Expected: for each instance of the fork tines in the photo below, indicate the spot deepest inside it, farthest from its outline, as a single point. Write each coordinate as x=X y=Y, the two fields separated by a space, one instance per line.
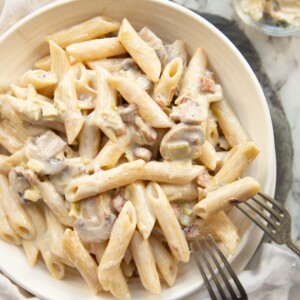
x=211 y=261
x=270 y=215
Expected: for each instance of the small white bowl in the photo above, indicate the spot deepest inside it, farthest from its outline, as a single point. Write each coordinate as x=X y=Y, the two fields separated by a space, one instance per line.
x=24 y=43
x=264 y=26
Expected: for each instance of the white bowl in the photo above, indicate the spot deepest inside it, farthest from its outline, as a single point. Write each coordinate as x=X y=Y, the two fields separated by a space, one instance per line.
x=24 y=43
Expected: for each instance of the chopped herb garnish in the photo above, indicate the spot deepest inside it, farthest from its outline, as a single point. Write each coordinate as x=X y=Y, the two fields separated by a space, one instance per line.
x=282 y=23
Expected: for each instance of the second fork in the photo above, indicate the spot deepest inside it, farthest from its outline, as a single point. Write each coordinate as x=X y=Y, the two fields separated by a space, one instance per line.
x=210 y=261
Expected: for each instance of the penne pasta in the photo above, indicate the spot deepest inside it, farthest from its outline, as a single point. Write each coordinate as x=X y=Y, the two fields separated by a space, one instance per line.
x=171 y=172
x=54 y=201
x=105 y=115
x=165 y=262
x=190 y=86
x=55 y=267
x=145 y=263
x=87 y=30
x=102 y=181
x=128 y=256
x=133 y=93
x=17 y=216
x=225 y=196
x=127 y=269
x=97 y=249
x=236 y=162
x=5 y=165
x=81 y=259
x=190 y=82
x=166 y=87
x=31 y=250
x=11 y=138
x=56 y=232
x=89 y=141
x=230 y=125
x=177 y=50
x=119 y=287
x=225 y=229
x=119 y=240
x=220 y=157
x=156 y=44
x=60 y=63
x=208 y=155
x=6 y=231
x=44 y=63
x=168 y=222
x=140 y=51
x=185 y=192
x=112 y=65
x=96 y=49
x=110 y=153
x=145 y=217
x=212 y=134
x=66 y=100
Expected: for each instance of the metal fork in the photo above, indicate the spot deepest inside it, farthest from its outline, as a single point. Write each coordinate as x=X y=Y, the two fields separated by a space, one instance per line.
x=272 y=217
x=208 y=256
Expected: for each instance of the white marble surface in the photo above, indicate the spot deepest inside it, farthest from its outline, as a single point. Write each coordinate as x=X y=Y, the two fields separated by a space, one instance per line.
x=281 y=61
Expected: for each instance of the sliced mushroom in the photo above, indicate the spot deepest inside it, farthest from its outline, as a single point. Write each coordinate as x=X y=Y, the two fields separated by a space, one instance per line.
x=190 y=112
x=96 y=221
x=50 y=166
x=143 y=133
x=177 y=49
x=73 y=167
x=129 y=64
x=128 y=113
x=38 y=78
x=138 y=76
x=182 y=142
x=112 y=121
x=20 y=180
x=45 y=146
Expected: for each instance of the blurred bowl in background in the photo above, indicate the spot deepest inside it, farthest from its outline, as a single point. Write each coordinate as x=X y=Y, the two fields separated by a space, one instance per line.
x=281 y=23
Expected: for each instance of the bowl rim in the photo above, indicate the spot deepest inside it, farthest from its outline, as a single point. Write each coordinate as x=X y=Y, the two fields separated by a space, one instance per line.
x=256 y=234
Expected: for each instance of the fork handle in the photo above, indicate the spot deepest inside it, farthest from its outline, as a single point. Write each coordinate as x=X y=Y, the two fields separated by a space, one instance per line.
x=292 y=245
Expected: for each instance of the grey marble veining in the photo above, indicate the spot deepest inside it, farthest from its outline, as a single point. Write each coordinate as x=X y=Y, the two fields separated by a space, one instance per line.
x=280 y=59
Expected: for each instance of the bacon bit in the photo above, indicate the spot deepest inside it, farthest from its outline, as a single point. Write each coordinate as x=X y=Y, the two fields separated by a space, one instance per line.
x=152 y=136
x=203 y=179
x=177 y=210
x=118 y=202
x=207 y=85
x=185 y=99
x=191 y=231
x=234 y=201
x=128 y=113
x=160 y=103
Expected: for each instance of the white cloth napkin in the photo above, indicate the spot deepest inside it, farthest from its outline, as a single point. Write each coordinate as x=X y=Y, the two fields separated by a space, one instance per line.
x=272 y=274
